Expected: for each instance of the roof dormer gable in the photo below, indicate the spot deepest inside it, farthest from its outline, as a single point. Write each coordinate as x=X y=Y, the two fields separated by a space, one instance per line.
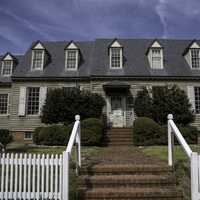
x=115 y=55
x=39 y=57
x=7 y=64
x=72 y=56
x=192 y=55
x=155 y=55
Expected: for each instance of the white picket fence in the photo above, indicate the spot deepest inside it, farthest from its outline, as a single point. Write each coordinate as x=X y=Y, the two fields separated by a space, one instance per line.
x=38 y=177
x=193 y=157
x=31 y=176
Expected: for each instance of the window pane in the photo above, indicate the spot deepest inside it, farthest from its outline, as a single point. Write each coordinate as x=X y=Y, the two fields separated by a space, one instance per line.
x=156 y=59
x=195 y=58
x=33 y=100
x=197 y=99
x=3 y=103
x=71 y=59
x=7 y=67
x=116 y=57
x=28 y=135
x=37 y=59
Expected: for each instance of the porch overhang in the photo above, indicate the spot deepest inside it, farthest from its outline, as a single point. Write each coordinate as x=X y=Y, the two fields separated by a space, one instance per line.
x=116 y=86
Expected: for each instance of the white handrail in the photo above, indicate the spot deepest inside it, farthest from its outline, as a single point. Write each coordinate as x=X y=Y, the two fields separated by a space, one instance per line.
x=75 y=138
x=194 y=158
x=173 y=129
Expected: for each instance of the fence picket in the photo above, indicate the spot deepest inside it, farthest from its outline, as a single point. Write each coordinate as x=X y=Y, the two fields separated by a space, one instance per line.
x=11 y=176
x=6 y=179
x=47 y=176
x=2 y=175
x=16 y=177
x=42 y=176
x=51 y=177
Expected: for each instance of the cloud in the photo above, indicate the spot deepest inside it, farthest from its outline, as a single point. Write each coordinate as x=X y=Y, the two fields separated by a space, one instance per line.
x=23 y=21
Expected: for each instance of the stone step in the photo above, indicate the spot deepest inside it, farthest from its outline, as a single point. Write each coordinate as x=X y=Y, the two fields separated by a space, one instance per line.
x=126 y=169
x=131 y=193
x=119 y=135
x=107 y=181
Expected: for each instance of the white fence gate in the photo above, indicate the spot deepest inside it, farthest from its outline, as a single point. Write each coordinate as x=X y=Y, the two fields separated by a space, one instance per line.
x=37 y=177
x=193 y=157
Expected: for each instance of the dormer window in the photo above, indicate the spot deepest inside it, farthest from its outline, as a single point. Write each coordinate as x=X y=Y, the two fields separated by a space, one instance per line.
x=38 y=60
x=195 y=58
x=192 y=55
x=38 y=54
x=155 y=56
x=116 y=55
x=71 y=57
x=7 y=65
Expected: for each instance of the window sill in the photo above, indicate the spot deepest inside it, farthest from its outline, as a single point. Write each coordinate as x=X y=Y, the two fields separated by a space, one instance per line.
x=4 y=115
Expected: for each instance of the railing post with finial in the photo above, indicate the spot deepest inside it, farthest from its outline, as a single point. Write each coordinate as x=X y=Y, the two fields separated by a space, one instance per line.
x=170 y=140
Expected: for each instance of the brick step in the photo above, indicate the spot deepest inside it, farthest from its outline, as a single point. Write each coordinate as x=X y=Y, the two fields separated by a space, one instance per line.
x=119 y=131
x=119 y=140
x=126 y=169
x=107 y=181
x=131 y=193
x=119 y=135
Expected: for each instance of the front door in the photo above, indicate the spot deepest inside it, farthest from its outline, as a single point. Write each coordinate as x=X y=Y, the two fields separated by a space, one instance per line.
x=116 y=111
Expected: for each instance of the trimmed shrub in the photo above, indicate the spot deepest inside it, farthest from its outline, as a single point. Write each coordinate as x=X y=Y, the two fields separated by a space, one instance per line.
x=63 y=104
x=5 y=137
x=91 y=132
x=52 y=135
x=190 y=134
x=147 y=132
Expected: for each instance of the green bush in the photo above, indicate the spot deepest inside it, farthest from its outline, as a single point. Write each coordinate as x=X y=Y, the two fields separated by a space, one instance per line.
x=91 y=132
x=5 y=137
x=147 y=132
x=190 y=134
x=63 y=104
x=52 y=135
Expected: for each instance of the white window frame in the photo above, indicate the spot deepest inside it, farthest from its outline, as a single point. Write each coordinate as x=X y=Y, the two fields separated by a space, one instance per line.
x=8 y=100
x=121 y=57
x=26 y=106
x=161 y=57
x=66 y=59
x=25 y=138
x=33 y=55
x=190 y=53
x=11 y=68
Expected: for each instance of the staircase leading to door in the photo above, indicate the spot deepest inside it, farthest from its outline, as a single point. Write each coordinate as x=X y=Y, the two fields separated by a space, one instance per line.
x=119 y=137
x=121 y=174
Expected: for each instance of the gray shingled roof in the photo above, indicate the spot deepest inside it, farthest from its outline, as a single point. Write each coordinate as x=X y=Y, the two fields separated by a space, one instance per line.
x=95 y=60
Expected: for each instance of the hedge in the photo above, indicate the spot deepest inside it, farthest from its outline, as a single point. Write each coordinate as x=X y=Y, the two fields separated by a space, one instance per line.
x=91 y=133
x=147 y=132
x=52 y=135
x=5 y=137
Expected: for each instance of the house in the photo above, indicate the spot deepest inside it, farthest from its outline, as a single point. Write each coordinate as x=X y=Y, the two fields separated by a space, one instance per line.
x=115 y=68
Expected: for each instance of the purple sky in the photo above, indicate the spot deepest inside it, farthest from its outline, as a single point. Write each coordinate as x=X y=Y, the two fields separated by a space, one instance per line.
x=23 y=21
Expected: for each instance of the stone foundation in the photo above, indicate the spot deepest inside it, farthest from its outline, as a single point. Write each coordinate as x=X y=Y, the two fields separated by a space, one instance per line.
x=18 y=136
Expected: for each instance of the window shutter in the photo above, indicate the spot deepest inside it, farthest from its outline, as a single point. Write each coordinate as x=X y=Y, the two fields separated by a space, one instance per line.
x=22 y=101
x=43 y=94
x=191 y=96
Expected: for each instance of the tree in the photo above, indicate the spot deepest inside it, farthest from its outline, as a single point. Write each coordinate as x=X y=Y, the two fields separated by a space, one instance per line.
x=143 y=104
x=166 y=100
x=63 y=104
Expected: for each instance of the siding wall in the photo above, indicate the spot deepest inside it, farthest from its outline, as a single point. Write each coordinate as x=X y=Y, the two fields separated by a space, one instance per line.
x=29 y=123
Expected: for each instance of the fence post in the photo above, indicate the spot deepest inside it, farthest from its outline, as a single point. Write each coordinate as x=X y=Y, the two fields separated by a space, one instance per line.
x=170 y=142
x=65 y=189
x=194 y=176
x=78 y=145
